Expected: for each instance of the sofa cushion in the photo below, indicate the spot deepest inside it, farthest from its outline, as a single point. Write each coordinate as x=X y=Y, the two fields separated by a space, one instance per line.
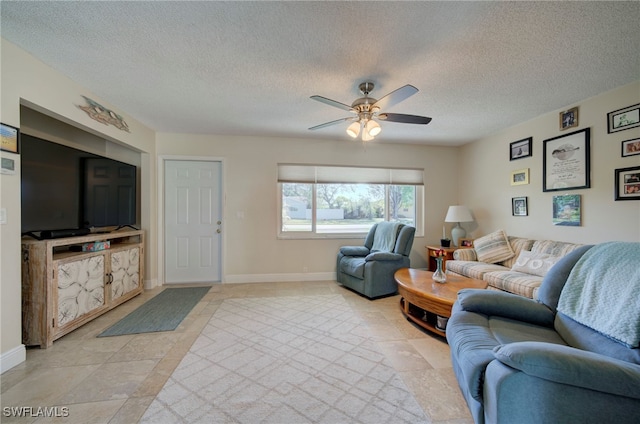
x=555 y=248
x=472 y=269
x=518 y=244
x=534 y=263
x=514 y=282
x=353 y=266
x=493 y=248
x=553 y=282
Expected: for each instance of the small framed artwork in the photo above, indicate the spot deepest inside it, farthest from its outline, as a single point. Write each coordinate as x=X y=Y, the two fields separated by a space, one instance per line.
x=567 y=210
x=631 y=147
x=566 y=161
x=623 y=119
x=520 y=177
x=10 y=138
x=627 y=183
x=569 y=118
x=520 y=149
x=465 y=242
x=519 y=206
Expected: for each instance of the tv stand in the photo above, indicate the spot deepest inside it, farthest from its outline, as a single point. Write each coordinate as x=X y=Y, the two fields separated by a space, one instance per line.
x=65 y=286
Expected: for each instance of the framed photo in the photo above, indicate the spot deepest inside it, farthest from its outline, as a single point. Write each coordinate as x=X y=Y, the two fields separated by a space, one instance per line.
x=631 y=147
x=520 y=149
x=465 y=242
x=569 y=118
x=520 y=177
x=10 y=138
x=628 y=183
x=623 y=119
x=565 y=161
x=567 y=210
x=519 y=206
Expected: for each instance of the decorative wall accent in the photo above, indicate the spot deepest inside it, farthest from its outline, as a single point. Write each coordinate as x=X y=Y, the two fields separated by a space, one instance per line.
x=103 y=115
x=569 y=118
x=623 y=119
x=9 y=138
x=567 y=210
x=565 y=161
x=520 y=149
x=628 y=183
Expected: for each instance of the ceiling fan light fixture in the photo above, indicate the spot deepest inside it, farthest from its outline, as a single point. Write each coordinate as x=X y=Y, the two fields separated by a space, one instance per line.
x=354 y=129
x=373 y=128
x=366 y=136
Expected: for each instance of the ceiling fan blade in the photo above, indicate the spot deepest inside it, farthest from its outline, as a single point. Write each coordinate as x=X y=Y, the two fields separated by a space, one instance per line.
x=404 y=119
x=328 y=124
x=332 y=103
x=395 y=97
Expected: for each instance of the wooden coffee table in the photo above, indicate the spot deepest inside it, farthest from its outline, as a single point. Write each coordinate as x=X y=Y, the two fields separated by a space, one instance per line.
x=423 y=300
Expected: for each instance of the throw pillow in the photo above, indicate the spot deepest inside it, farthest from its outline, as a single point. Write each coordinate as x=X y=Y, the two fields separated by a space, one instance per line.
x=535 y=263
x=493 y=248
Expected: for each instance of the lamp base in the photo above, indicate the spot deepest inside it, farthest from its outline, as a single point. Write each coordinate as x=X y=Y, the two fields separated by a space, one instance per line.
x=457 y=233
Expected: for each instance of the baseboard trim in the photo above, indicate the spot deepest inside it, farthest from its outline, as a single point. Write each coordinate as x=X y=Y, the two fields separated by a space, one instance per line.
x=150 y=284
x=271 y=278
x=13 y=357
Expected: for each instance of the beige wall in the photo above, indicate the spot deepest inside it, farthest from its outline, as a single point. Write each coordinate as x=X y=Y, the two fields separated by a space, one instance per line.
x=251 y=247
x=486 y=169
x=28 y=82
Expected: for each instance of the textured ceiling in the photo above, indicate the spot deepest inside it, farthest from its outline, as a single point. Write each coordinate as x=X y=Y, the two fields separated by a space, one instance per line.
x=248 y=68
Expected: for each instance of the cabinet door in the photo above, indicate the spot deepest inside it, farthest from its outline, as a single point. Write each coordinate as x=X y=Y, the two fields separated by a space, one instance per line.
x=125 y=272
x=81 y=285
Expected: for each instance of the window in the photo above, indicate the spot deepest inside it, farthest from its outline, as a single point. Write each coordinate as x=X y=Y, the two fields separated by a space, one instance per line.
x=335 y=201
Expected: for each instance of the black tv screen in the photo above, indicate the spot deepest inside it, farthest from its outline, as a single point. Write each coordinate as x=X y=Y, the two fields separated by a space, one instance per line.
x=65 y=188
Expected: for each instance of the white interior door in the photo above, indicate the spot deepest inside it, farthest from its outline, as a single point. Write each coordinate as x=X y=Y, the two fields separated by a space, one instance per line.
x=192 y=221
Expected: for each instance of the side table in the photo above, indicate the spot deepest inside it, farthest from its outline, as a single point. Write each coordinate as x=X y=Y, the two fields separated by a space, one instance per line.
x=431 y=253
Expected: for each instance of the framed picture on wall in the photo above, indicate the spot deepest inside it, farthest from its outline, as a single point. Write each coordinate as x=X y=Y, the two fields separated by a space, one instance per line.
x=623 y=119
x=631 y=147
x=520 y=177
x=567 y=210
x=10 y=138
x=519 y=206
x=520 y=149
x=627 y=183
x=569 y=118
x=566 y=161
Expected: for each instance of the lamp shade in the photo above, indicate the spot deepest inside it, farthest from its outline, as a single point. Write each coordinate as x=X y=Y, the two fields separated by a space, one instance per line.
x=354 y=129
x=458 y=214
x=373 y=128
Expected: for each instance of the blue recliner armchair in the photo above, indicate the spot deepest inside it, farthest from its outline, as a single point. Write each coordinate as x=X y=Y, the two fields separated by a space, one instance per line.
x=572 y=356
x=369 y=269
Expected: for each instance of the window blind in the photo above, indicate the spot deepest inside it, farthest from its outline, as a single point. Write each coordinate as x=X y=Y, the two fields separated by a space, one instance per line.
x=328 y=174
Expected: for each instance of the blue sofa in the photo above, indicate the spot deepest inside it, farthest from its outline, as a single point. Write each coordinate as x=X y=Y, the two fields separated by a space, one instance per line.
x=369 y=269
x=520 y=360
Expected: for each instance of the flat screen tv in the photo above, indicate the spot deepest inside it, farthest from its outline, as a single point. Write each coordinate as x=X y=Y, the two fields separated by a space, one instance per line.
x=63 y=188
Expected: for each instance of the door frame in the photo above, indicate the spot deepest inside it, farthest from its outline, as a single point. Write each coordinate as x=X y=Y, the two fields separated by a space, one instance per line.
x=160 y=208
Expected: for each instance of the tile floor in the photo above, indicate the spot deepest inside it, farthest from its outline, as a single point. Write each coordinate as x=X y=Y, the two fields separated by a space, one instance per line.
x=114 y=379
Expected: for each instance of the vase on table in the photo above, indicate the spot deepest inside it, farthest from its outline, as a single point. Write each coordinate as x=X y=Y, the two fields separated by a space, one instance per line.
x=438 y=275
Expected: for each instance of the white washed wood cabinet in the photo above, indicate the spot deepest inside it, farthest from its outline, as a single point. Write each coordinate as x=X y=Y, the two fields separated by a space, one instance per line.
x=63 y=288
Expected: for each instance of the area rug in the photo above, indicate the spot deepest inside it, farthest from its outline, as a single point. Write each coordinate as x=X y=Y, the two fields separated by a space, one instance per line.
x=164 y=312
x=285 y=360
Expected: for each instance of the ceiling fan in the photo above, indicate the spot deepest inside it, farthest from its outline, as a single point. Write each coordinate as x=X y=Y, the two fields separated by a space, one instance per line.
x=367 y=111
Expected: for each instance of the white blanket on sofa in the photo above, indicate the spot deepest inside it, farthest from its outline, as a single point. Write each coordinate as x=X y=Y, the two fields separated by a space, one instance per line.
x=603 y=291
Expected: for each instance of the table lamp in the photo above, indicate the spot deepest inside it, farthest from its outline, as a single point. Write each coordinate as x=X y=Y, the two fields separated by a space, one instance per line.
x=458 y=214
